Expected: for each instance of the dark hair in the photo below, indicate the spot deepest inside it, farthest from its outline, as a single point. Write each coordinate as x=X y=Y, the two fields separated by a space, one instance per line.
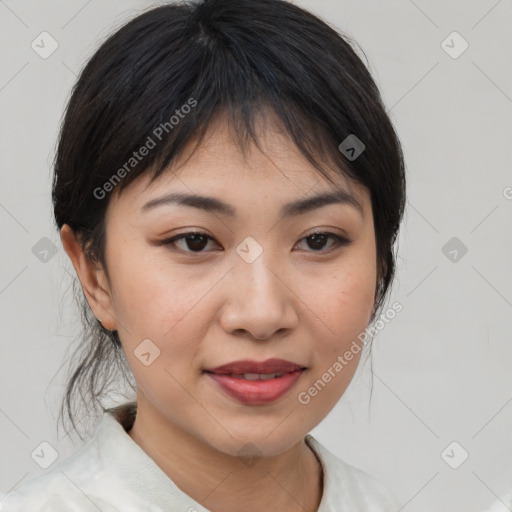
x=243 y=58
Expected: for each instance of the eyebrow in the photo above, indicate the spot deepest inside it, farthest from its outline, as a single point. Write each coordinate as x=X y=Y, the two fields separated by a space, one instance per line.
x=292 y=209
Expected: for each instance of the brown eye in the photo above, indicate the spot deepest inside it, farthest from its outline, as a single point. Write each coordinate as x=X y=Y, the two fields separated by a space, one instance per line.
x=318 y=241
x=194 y=241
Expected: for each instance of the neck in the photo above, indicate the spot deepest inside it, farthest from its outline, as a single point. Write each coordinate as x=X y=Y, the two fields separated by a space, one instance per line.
x=292 y=480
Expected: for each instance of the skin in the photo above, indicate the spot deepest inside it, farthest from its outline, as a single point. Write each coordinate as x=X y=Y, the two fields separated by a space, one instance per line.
x=297 y=301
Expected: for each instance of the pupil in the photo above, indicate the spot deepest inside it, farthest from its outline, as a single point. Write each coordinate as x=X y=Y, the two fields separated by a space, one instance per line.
x=315 y=239
x=196 y=242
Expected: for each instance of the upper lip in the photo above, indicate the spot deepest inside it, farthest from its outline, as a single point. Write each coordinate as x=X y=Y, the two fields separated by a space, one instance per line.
x=248 y=366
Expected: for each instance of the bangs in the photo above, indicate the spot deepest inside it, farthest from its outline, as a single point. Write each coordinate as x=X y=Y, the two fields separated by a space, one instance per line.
x=158 y=84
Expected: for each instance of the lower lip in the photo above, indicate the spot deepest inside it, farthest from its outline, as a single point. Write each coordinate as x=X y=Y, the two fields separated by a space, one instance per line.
x=257 y=392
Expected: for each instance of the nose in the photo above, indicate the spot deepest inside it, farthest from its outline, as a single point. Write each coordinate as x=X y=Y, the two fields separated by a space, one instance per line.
x=259 y=302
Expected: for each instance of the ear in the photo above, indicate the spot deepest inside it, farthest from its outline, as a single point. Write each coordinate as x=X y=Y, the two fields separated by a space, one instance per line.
x=93 y=278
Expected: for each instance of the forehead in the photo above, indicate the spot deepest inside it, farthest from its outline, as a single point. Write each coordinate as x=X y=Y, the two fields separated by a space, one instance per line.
x=273 y=168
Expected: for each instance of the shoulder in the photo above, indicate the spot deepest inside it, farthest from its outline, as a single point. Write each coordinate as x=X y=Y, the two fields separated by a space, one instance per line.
x=65 y=488
x=346 y=486
x=81 y=483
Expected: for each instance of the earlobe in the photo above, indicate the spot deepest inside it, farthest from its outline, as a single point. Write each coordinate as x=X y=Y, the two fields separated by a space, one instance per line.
x=92 y=277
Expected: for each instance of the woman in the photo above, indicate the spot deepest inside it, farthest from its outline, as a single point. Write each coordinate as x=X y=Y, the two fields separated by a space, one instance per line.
x=229 y=189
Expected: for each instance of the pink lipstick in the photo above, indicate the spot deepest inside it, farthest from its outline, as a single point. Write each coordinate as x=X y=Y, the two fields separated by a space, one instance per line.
x=257 y=383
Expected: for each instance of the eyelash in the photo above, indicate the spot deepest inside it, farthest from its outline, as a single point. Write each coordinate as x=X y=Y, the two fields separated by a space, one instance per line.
x=339 y=241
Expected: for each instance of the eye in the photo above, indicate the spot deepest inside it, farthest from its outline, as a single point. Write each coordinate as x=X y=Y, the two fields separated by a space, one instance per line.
x=194 y=241
x=317 y=241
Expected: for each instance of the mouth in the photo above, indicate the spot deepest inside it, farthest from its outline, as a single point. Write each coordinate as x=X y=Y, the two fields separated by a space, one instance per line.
x=248 y=367
x=251 y=376
x=256 y=383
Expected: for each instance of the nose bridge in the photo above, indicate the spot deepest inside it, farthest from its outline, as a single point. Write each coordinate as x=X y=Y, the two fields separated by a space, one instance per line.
x=257 y=277
x=257 y=301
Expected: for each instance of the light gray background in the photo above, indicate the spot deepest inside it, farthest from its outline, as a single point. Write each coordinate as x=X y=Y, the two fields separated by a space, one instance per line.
x=442 y=367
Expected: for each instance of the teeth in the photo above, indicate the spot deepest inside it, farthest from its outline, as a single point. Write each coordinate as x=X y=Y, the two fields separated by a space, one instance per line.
x=268 y=376
x=251 y=376
x=261 y=376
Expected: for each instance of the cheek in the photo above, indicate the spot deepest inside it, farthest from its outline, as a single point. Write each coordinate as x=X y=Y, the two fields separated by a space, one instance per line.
x=150 y=295
x=345 y=306
x=153 y=301
x=347 y=299
x=345 y=310
x=349 y=309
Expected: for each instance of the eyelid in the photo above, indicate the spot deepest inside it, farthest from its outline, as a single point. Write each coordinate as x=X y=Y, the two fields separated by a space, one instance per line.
x=185 y=234
x=326 y=231
x=340 y=241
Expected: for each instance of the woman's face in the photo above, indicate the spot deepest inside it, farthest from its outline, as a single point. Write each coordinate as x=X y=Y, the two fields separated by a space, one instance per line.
x=255 y=285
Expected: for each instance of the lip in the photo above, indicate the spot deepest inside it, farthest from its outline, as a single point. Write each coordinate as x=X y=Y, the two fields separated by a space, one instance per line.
x=248 y=366
x=256 y=392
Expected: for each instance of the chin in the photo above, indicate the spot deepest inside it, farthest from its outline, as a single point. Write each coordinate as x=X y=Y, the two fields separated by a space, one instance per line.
x=254 y=441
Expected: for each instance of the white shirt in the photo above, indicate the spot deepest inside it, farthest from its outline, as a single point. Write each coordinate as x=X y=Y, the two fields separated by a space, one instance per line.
x=111 y=473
